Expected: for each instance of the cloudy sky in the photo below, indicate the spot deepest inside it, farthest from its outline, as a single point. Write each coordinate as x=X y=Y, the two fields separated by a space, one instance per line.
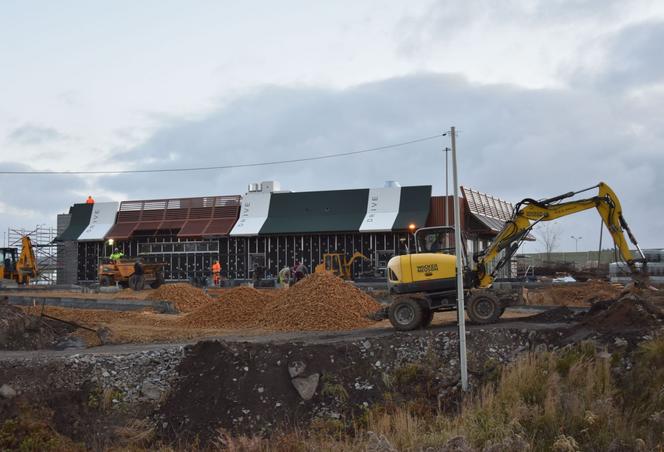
x=548 y=96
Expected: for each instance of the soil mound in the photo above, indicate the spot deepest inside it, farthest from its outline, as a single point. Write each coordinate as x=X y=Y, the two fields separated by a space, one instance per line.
x=321 y=301
x=575 y=294
x=235 y=308
x=22 y=331
x=561 y=314
x=186 y=297
x=630 y=312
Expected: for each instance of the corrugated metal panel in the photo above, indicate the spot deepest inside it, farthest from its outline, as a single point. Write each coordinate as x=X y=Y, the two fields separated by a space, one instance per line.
x=192 y=216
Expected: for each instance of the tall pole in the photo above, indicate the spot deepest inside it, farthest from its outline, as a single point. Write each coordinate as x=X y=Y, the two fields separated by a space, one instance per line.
x=461 y=314
x=447 y=201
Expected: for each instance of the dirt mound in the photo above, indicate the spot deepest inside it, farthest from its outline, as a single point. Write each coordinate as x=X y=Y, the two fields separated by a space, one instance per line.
x=22 y=331
x=321 y=301
x=236 y=308
x=575 y=294
x=630 y=312
x=561 y=314
x=186 y=297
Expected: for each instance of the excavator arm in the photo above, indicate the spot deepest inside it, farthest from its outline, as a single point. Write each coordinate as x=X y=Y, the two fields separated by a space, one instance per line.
x=26 y=266
x=529 y=212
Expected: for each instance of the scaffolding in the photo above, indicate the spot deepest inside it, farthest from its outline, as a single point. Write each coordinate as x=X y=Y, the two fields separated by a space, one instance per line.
x=45 y=249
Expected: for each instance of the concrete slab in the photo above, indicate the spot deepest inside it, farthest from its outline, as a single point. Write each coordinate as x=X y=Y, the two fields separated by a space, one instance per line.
x=162 y=307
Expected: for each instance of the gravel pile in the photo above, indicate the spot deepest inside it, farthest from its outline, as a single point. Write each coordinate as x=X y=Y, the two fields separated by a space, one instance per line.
x=235 y=308
x=185 y=297
x=320 y=302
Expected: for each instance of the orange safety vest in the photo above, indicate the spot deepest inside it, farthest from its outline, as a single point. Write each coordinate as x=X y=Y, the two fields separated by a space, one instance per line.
x=90 y=200
x=216 y=267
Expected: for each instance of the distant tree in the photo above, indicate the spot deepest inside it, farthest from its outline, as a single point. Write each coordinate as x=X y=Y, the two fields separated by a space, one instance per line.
x=549 y=234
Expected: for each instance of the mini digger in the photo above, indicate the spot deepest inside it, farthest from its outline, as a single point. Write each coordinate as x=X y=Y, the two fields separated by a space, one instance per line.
x=339 y=264
x=423 y=283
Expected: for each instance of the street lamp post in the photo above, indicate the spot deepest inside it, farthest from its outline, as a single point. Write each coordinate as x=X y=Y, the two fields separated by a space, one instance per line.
x=576 y=243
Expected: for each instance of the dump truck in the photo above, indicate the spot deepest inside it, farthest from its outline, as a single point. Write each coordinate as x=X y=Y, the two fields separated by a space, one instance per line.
x=133 y=273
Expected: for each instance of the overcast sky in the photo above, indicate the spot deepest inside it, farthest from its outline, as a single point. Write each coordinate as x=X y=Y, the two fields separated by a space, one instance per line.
x=548 y=96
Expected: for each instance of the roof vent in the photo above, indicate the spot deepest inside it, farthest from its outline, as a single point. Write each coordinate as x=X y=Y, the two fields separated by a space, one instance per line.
x=270 y=186
x=254 y=187
x=392 y=184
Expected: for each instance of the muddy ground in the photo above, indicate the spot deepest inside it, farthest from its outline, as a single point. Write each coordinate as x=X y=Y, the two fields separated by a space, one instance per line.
x=178 y=394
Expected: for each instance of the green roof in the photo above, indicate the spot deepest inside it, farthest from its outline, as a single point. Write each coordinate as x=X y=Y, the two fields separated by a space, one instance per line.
x=318 y=211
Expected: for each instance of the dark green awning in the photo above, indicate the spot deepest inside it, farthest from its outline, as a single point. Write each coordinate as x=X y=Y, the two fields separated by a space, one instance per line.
x=413 y=207
x=80 y=219
x=319 y=211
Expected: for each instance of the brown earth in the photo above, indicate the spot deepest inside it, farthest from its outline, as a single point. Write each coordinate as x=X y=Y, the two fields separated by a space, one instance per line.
x=20 y=330
x=321 y=301
x=235 y=308
x=632 y=311
x=575 y=294
x=186 y=297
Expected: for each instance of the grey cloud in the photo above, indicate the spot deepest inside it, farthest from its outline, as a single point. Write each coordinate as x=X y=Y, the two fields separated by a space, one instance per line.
x=444 y=19
x=634 y=56
x=30 y=134
x=513 y=142
x=31 y=200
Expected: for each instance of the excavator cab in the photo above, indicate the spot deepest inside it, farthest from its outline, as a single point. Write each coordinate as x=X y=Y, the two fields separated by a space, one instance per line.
x=8 y=257
x=435 y=240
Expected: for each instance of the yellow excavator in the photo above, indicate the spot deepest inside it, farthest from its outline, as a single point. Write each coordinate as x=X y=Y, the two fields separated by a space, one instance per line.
x=339 y=264
x=425 y=282
x=18 y=267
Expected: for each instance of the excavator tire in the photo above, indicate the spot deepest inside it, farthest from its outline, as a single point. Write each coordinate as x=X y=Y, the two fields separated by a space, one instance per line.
x=483 y=308
x=406 y=314
x=137 y=282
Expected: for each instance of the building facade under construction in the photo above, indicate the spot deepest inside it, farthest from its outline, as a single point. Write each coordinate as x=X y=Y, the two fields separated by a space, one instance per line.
x=267 y=228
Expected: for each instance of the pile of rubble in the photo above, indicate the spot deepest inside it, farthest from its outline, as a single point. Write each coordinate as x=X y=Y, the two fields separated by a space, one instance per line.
x=320 y=302
x=185 y=297
x=235 y=308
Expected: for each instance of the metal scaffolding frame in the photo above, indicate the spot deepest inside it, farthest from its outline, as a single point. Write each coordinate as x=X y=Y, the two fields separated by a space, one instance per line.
x=45 y=249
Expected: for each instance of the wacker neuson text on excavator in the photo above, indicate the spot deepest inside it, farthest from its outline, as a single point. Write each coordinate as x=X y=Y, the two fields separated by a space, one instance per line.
x=425 y=282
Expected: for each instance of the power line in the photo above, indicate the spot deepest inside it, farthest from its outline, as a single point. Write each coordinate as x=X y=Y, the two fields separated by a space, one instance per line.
x=239 y=165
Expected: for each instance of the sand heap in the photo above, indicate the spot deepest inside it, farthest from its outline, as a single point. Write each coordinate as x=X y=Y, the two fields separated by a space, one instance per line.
x=321 y=301
x=235 y=308
x=186 y=297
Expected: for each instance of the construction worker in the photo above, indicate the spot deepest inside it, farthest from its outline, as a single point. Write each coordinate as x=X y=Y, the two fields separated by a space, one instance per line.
x=301 y=271
x=89 y=200
x=216 y=273
x=117 y=255
x=285 y=276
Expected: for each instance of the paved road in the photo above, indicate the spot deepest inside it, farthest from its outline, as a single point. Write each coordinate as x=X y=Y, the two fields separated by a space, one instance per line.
x=307 y=337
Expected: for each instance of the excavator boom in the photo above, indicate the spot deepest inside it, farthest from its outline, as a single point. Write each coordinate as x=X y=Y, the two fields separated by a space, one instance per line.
x=529 y=212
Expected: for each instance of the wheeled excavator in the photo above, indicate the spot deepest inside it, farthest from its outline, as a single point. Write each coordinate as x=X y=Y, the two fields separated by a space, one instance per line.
x=18 y=267
x=425 y=282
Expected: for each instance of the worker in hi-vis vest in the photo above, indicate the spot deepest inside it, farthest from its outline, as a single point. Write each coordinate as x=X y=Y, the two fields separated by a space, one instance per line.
x=216 y=273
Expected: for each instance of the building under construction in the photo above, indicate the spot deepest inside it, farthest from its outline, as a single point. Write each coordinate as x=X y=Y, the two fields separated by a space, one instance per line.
x=266 y=228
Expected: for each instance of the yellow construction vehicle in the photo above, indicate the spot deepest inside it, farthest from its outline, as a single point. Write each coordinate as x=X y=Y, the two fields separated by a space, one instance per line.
x=339 y=264
x=423 y=283
x=18 y=267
